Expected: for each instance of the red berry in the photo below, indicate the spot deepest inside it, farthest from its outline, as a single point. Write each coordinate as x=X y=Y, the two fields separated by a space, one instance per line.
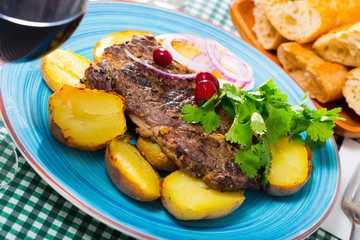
x=162 y=57
x=204 y=89
x=207 y=76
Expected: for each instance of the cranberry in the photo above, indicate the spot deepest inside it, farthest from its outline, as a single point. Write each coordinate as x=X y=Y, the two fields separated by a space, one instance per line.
x=207 y=76
x=204 y=90
x=162 y=57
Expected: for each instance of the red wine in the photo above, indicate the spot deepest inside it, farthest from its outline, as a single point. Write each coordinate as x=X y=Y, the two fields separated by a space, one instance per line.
x=31 y=28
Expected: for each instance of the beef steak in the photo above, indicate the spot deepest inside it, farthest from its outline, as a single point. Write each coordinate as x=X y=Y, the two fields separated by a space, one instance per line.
x=153 y=102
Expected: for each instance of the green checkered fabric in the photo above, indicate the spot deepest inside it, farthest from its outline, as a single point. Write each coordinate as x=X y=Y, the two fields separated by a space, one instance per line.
x=8 y=160
x=214 y=11
x=321 y=234
x=31 y=209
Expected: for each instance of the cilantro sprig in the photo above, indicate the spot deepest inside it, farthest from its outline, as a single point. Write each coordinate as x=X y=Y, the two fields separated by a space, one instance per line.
x=205 y=114
x=266 y=115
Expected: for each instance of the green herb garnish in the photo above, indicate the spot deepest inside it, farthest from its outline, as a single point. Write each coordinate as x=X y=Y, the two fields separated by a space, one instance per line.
x=205 y=114
x=265 y=114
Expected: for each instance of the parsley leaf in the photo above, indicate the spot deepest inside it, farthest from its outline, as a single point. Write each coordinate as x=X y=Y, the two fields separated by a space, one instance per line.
x=272 y=94
x=262 y=117
x=232 y=92
x=192 y=114
x=254 y=158
x=266 y=159
x=249 y=160
x=278 y=123
x=240 y=133
x=320 y=130
x=205 y=115
x=257 y=123
x=210 y=120
x=228 y=106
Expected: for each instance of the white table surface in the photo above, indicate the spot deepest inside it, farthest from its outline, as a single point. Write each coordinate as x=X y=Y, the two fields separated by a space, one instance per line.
x=337 y=222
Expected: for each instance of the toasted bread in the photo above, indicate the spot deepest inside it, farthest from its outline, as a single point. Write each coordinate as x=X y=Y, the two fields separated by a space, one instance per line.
x=266 y=34
x=341 y=45
x=305 y=20
x=351 y=89
x=320 y=78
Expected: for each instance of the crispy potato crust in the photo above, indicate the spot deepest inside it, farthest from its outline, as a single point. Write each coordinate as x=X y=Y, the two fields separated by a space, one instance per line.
x=291 y=168
x=63 y=67
x=86 y=119
x=130 y=172
x=153 y=154
x=189 y=198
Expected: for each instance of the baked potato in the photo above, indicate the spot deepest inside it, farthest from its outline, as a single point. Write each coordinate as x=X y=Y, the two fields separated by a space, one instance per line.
x=153 y=154
x=130 y=172
x=86 y=119
x=189 y=198
x=114 y=38
x=63 y=67
x=290 y=167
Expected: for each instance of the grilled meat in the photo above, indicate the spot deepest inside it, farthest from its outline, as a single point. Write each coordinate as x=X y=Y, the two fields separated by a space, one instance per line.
x=153 y=102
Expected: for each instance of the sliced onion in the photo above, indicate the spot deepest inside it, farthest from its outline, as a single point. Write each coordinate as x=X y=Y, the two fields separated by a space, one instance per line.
x=196 y=41
x=201 y=58
x=231 y=67
x=146 y=64
x=212 y=56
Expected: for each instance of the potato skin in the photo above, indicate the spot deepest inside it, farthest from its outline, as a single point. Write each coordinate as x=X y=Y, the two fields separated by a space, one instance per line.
x=122 y=174
x=286 y=190
x=155 y=156
x=189 y=198
x=87 y=138
x=63 y=67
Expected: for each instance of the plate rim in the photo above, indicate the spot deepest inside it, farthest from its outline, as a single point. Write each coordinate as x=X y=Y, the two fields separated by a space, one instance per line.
x=102 y=218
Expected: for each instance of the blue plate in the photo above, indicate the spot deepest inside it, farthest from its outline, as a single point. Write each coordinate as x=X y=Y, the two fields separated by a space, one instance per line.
x=81 y=176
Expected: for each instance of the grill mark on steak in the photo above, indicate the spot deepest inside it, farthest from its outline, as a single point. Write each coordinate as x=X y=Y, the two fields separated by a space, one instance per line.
x=153 y=103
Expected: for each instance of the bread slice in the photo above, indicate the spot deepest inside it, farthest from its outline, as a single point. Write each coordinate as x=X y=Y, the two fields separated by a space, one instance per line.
x=341 y=45
x=305 y=20
x=351 y=89
x=266 y=34
x=320 y=78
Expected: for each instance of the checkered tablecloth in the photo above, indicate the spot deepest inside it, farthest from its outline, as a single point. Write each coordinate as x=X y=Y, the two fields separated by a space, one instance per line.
x=31 y=209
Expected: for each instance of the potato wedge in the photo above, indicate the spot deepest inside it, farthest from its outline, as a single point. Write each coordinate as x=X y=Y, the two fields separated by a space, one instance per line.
x=189 y=198
x=86 y=119
x=63 y=67
x=290 y=168
x=130 y=172
x=114 y=38
x=153 y=154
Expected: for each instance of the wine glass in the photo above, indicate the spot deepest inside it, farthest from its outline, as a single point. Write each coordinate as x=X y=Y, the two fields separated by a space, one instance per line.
x=30 y=29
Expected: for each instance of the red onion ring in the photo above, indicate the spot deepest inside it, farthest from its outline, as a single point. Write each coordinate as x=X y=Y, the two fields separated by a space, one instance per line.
x=212 y=56
x=201 y=58
x=146 y=64
x=229 y=66
x=196 y=41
